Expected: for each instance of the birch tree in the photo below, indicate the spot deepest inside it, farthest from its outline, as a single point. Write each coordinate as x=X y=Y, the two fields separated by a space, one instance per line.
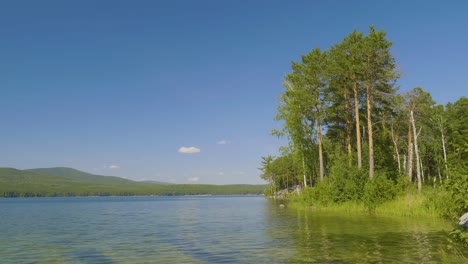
x=302 y=103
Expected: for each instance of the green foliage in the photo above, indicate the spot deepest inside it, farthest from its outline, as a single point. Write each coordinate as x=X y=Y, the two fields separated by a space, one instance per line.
x=269 y=191
x=281 y=172
x=454 y=201
x=378 y=190
x=457 y=242
x=457 y=131
x=404 y=185
x=458 y=237
x=353 y=186
x=321 y=194
x=348 y=182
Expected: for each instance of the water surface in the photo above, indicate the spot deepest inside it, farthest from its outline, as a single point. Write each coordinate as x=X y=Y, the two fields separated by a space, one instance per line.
x=211 y=229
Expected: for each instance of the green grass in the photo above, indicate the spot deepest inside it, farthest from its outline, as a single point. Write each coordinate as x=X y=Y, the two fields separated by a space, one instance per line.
x=409 y=204
x=348 y=207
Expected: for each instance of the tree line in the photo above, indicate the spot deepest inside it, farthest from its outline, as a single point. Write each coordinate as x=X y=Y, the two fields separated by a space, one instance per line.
x=156 y=190
x=346 y=124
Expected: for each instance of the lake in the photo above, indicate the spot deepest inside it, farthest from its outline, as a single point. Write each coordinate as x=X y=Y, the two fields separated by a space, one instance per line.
x=206 y=229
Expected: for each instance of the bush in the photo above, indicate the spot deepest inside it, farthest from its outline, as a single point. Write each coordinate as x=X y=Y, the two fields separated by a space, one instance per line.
x=268 y=192
x=454 y=201
x=321 y=194
x=348 y=182
x=378 y=190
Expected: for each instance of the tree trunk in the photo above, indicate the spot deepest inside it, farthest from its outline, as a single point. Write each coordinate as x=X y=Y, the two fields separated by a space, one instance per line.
x=395 y=145
x=410 y=152
x=404 y=163
x=358 y=129
x=304 y=171
x=440 y=176
x=349 y=122
x=319 y=139
x=445 y=153
x=319 y=135
x=423 y=177
x=418 y=168
x=369 y=132
x=349 y=149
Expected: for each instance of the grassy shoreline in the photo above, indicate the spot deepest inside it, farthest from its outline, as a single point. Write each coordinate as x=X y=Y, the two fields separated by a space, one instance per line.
x=406 y=205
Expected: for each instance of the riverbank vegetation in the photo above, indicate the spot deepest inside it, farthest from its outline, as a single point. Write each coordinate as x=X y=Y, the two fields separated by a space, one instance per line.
x=356 y=143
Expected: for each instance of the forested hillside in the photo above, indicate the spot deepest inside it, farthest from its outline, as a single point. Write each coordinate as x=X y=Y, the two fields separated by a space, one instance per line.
x=70 y=182
x=82 y=176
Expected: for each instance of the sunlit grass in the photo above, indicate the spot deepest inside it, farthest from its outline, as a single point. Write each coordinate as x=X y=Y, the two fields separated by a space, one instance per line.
x=348 y=207
x=409 y=204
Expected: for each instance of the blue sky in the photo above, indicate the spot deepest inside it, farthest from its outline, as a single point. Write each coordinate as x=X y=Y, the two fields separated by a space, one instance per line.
x=123 y=87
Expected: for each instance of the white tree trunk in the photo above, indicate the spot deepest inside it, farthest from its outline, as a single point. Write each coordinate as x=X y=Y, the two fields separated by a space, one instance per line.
x=396 y=150
x=404 y=163
x=303 y=169
x=422 y=170
x=418 y=165
x=319 y=137
x=445 y=153
x=409 y=162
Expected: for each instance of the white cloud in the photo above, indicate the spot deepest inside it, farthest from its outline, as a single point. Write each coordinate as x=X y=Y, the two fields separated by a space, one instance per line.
x=221 y=173
x=189 y=150
x=222 y=142
x=114 y=167
x=193 y=179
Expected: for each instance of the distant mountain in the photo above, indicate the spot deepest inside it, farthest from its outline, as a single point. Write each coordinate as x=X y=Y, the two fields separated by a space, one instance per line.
x=62 y=181
x=82 y=176
x=14 y=176
x=157 y=182
x=14 y=183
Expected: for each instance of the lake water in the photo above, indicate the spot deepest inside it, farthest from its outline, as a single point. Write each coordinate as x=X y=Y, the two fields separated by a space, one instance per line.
x=211 y=229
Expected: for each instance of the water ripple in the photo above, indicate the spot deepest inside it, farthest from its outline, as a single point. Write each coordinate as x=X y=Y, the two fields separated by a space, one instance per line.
x=204 y=230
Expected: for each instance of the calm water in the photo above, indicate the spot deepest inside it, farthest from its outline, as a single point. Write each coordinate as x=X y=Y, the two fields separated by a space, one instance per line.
x=209 y=229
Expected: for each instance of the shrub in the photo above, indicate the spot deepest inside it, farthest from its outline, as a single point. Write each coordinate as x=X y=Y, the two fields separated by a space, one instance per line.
x=454 y=202
x=347 y=182
x=324 y=192
x=377 y=191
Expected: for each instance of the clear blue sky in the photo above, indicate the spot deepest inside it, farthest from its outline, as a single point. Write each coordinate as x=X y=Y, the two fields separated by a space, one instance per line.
x=119 y=87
